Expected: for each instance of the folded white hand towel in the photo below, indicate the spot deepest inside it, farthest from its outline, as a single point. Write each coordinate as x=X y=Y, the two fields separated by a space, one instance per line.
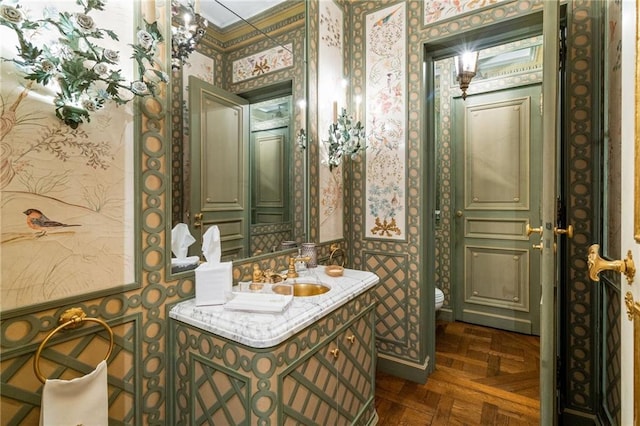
x=268 y=303
x=82 y=401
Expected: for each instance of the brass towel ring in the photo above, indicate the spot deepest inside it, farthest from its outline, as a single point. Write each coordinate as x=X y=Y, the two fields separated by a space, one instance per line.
x=70 y=319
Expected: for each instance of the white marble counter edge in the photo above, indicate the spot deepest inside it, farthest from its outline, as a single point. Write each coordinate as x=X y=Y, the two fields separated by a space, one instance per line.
x=193 y=315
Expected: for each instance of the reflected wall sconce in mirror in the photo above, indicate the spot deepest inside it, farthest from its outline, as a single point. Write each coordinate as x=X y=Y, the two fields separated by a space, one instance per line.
x=466 y=68
x=187 y=31
x=301 y=140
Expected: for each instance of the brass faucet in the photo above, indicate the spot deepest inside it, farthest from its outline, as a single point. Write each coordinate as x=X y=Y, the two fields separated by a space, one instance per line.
x=258 y=275
x=291 y=273
x=268 y=276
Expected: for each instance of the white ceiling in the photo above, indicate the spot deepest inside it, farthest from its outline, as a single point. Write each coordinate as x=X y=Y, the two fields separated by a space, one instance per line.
x=216 y=14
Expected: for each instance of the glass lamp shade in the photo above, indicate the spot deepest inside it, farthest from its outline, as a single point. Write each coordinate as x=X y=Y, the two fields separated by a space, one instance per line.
x=466 y=67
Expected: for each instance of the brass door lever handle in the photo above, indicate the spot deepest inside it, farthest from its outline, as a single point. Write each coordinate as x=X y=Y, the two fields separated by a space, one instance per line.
x=598 y=264
x=197 y=220
x=529 y=230
x=568 y=232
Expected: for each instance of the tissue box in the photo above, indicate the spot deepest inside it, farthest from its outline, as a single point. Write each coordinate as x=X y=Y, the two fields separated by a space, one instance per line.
x=213 y=282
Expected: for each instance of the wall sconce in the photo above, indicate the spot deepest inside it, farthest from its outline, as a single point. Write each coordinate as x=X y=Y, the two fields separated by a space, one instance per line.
x=347 y=139
x=185 y=35
x=466 y=67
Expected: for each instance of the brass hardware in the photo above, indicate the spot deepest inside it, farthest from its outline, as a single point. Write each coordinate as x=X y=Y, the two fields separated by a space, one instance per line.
x=335 y=248
x=291 y=273
x=459 y=213
x=531 y=230
x=633 y=307
x=568 y=232
x=538 y=246
x=197 y=220
x=257 y=276
x=70 y=319
x=597 y=264
x=335 y=352
x=334 y=270
x=301 y=289
x=272 y=277
x=352 y=339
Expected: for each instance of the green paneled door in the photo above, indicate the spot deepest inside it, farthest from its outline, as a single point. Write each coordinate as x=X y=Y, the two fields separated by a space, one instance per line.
x=219 y=155
x=497 y=156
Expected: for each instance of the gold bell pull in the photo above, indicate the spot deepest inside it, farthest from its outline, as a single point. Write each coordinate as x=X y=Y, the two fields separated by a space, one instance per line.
x=568 y=232
x=598 y=264
x=531 y=230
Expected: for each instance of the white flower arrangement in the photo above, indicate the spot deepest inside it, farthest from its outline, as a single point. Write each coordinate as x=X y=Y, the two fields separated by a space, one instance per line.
x=87 y=74
x=346 y=140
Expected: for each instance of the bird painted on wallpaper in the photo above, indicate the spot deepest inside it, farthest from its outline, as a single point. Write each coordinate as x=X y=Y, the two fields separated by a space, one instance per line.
x=36 y=220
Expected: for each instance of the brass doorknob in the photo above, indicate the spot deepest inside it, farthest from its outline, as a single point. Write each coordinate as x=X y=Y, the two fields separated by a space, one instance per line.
x=568 y=232
x=538 y=246
x=598 y=264
x=459 y=213
x=531 y=230
x=335 y=352
x=352 y=339
x=197 y=220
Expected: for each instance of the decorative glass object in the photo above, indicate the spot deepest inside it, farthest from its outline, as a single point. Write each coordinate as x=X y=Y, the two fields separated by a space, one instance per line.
x=309 y=250
x=185 y=35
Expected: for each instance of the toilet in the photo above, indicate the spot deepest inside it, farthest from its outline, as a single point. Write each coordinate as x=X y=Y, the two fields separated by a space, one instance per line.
x=439 y=298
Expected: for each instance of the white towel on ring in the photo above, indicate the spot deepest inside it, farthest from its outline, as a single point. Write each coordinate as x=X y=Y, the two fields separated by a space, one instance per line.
x=81 y=401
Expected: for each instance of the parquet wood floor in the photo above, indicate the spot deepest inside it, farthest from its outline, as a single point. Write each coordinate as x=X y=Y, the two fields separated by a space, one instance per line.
x=483 y=376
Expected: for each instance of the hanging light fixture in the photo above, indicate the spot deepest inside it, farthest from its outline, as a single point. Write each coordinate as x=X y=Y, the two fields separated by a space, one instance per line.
x=466 y=67
x=187 y=30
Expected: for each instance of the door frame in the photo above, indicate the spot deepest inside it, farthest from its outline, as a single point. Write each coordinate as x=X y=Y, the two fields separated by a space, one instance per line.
x=493 y=35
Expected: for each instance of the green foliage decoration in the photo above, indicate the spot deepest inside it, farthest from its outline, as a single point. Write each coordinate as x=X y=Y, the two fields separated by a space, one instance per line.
x=87 y=75
x=346 y=140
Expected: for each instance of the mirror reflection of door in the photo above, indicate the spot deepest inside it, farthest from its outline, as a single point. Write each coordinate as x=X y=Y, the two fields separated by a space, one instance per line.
x=219 y=142
x=270 y=157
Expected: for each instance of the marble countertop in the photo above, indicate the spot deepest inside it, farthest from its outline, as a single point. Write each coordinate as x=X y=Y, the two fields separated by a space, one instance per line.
x=262 y=330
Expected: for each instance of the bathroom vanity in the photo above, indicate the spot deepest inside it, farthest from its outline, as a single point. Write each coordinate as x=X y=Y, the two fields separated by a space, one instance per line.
x=313 y=363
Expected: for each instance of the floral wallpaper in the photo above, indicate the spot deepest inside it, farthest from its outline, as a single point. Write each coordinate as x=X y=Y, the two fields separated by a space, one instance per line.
x=386 y=123
x=331 y=99
x=264 y=62
x=67 y=197
x=439 y=10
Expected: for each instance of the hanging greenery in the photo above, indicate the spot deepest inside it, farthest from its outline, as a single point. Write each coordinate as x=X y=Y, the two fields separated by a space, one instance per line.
x=85 y=74
x=346 y=140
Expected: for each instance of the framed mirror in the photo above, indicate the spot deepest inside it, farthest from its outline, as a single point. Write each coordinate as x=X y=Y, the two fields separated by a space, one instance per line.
x=245 y=89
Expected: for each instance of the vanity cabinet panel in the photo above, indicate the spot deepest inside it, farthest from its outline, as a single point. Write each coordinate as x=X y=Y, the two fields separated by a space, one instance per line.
x=356 y=368
x=297 y=382
x=334 y=383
